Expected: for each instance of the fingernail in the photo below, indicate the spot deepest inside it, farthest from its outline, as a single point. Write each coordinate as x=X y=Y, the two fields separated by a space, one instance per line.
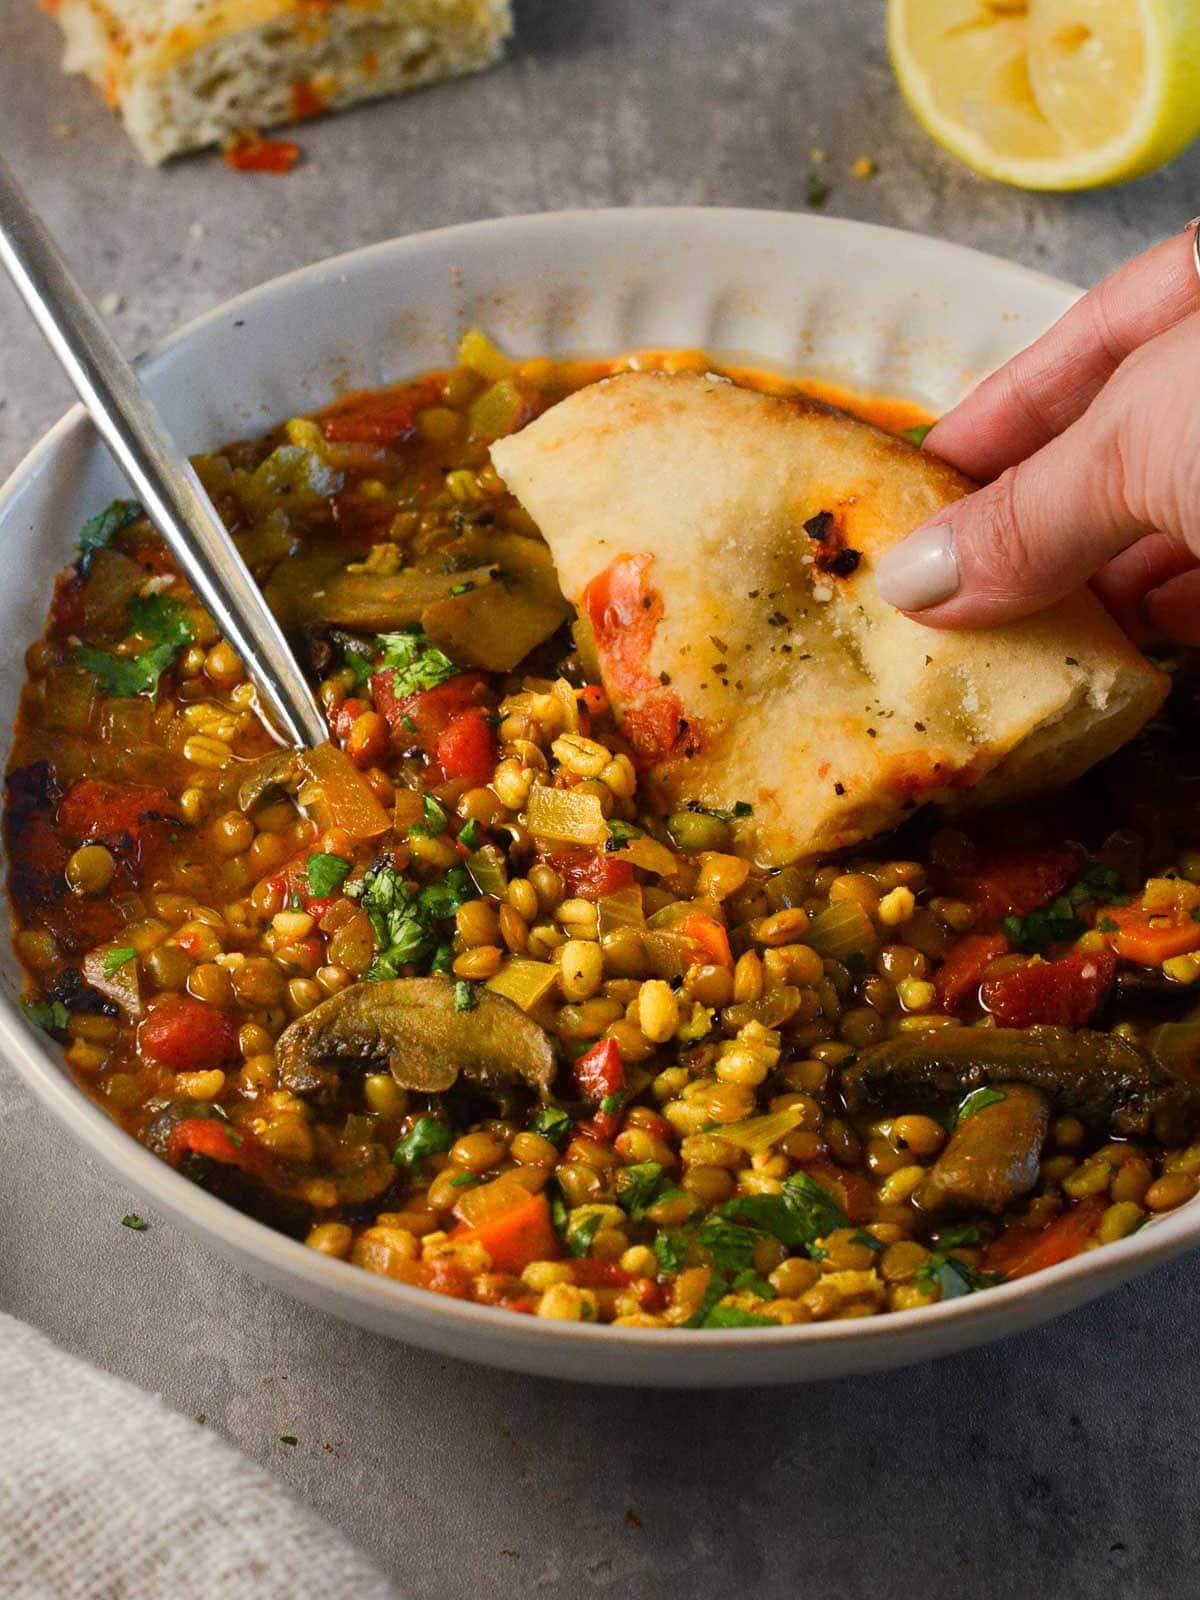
x=921 y=570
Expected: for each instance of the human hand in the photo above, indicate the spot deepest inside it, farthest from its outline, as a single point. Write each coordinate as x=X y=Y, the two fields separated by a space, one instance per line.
x=1089 y=446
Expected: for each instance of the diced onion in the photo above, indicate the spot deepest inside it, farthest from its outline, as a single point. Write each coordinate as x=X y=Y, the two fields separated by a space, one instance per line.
x=760 y=1133
x=524 y=982
x=841 y=930
x=566 y=816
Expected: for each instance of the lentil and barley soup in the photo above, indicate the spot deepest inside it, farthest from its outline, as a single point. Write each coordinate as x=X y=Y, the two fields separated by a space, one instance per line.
x=446 y=999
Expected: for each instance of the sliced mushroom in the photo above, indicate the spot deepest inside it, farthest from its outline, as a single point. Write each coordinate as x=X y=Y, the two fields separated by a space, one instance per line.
x=280 y=771
x=413 y=1027
x=1098 y=1076
x=495 y=625
x=993 y=1156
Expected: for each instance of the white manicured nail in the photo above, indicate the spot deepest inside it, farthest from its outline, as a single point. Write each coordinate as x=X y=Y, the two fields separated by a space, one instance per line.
x=921 y=570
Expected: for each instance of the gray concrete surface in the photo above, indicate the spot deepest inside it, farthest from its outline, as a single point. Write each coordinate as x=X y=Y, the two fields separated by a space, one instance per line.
x=1060 y=1464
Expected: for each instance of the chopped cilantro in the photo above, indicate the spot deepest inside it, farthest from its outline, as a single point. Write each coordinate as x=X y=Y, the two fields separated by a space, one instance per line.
x=161 y=620
x=733 y=1317
x=288 y=1438
x=953 y=1277
x=326 y=873
x=818 y=190
x=462 y=588
x=978 y=1100
x=919 y=434
x=558 y=1211
x=715 y=1291
x=751 y=1282
x=360 y=665
x=98 y=532
x=465 y=998
x=621 y=832
x=552 y=1123
x=404 y=921
x=960 y=1234
x=426 y=1137
x=114 y=960
x=671 y=1246
x=463 y=1179
x=798 y=1216
x=407 y=723
x=133 y=1221
x=469 y=834
x=1107 y=925
x=437 y=818
x=611 y=1103
x=580 y=1234
x=1059 y=921
x=743 y=808
x=862 y=1237
x=415 y=663
x=638 y=1187
x=49 y=1015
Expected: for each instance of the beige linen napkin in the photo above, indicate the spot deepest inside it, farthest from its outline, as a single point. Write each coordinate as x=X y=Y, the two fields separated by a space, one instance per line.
x=105 y=1494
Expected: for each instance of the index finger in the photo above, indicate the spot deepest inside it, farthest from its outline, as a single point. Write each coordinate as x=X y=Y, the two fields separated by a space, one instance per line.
x=1042 y=391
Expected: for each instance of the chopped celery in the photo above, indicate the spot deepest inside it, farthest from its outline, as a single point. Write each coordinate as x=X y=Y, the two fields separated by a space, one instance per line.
x=477 y=352
x=497 y=410
x=650 y=856
x=760 y=1133
x=623 y=909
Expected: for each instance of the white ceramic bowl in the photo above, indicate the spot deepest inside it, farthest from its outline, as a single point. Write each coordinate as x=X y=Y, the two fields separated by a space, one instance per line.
x=868 y=306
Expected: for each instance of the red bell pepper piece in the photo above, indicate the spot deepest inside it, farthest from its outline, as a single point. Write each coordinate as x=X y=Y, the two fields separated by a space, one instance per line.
x=710 y=938
x=1016 y=882
x=600 y=1071
x=963 y=968
x=1065 y=992
x=521 y=1233
x=207 y=1136
x=418 y=719
x=589 y=876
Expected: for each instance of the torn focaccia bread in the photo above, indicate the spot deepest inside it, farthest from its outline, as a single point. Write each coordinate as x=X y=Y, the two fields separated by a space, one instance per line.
x=721 y=543
x=185 y=73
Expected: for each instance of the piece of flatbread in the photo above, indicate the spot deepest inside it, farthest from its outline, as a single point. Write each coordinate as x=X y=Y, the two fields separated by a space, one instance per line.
x=185 y=73
x=720 y=544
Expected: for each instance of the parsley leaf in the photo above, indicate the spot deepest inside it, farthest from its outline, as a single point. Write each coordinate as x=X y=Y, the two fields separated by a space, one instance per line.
x=638 y=1187
x=553 y=1123
x=729 y=1245
x=919 y=434
x=962 y=1233
x=611 y=1103
x=159 y=619
x=49 y=1015
x=671 y=1246
x=733 y=1317
x=580 y=1234
x=715 y=1291
x=415 y=663
x=326 y=873
x=469 y=834
x=818 y=190
x=465 y=998
x=133 y=1221
x=1060 y=921
x=621 y=832
x=114 y=960
x=436 y=817
x=978 y=1100
x=798 y=1216
x=953 y=1277
x=360 y=665
x=426 y=1137
x=98 y=532
x=751 y=1282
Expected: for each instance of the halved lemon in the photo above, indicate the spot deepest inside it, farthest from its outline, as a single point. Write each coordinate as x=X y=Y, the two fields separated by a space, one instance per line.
x=1052 y=94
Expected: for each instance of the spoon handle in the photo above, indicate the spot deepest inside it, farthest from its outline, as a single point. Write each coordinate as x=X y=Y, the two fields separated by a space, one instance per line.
x=163 y=480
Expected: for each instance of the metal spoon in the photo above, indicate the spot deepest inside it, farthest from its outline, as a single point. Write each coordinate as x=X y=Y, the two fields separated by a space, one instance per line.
x=169 y=490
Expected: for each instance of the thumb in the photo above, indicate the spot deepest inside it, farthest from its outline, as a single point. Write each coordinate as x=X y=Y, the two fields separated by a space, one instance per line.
x=1034 y=535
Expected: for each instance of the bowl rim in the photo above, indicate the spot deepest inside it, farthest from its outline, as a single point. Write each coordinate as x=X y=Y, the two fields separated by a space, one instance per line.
x=283 y=1258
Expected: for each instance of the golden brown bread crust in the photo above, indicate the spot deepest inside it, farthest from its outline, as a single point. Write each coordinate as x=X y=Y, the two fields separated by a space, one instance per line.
x=722 y=542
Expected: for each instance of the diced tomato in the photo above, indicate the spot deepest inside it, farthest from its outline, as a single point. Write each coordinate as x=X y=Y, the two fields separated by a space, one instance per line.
x=624 y=611
x=1065 y=992
x=66 y=609
x=850 y=1189
x=1020 y=1251
x=384 y=417
x=418 y=719
x=1015 y=882
x=517 y=1235
x=444 y=1275
x=342 y=718
x=466 y=748
x=249 y=152
x=593 y=699
x=658 y=730
x=1150 y=937
x=591 y=1274
x=602 y=1126
x=600 y=1071
x=207 y=1136
x=187 y=1034
x=589 y=876
x=94 y=809
x=963 y=968
x=709 y=937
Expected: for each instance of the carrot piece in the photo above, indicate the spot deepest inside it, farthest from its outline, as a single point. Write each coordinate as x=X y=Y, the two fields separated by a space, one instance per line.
x=517 y=1235
x=965 y=963
x=1018 y=1252
x=711 y=937
x=1149 y=938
